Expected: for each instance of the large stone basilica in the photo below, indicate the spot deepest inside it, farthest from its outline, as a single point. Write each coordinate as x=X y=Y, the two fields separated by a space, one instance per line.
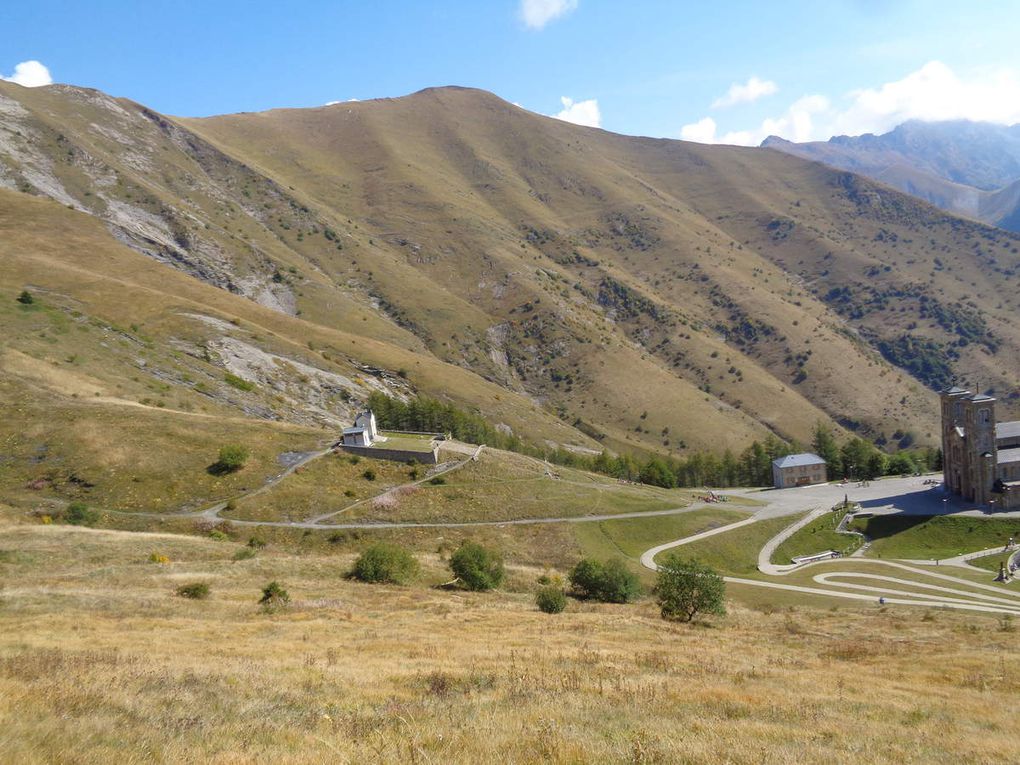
x=980 y=457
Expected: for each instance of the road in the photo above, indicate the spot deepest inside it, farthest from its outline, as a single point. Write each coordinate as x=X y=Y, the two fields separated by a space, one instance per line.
x=909 y=496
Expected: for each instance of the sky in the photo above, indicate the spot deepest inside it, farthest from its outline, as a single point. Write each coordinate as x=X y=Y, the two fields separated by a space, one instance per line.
x=730 y=71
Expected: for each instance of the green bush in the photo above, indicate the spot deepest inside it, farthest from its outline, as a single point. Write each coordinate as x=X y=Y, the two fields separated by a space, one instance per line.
x=274 y=595
x=369 y=475
x=384 y=562
x=218 y=535
x=232 y=457
x=256 y=543
x=686 y=588
x=25 y=298
x=437 y=481
x=238 y=382
x=245 y=553
x=609 y=582
x=194 y=591
x=79 y=514
x=551 y=599
x=477 y=567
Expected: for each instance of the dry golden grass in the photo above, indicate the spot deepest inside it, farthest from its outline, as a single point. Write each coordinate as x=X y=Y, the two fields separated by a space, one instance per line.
x=504 y=486
x=100 y=662
x=327 y=485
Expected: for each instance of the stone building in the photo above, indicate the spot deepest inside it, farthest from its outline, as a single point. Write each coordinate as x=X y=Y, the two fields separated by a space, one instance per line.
x=980 y=456
x=798 y=470
x=364 y=432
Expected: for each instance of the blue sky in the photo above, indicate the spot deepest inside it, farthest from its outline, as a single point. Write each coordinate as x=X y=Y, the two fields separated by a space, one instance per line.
x=640 y=67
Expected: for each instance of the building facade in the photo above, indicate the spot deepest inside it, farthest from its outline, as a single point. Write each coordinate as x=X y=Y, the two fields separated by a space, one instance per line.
x=364 y=432
x=798 y=470
x=980 y=456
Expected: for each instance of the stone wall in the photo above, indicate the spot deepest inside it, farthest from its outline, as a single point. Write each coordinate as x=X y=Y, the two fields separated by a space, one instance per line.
x=396 y=455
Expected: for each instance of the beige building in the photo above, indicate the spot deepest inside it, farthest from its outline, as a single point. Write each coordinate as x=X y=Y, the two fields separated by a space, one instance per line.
x=798 y=470
x=980 y=456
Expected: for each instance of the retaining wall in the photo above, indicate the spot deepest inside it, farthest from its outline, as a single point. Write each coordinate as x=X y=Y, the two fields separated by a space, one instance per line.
x=397 y=455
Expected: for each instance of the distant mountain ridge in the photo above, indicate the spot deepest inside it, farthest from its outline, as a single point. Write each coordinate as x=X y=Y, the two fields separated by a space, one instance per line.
x=969 y=168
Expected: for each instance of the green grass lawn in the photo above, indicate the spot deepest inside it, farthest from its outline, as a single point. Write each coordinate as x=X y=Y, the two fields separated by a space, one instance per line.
x=409 y=443
x=632 y=536
x=818 y=536
x=991 y=562
x=734 y=553
x=934 y=537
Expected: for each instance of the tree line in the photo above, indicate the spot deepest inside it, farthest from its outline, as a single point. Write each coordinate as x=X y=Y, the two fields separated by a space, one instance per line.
x=856 y=459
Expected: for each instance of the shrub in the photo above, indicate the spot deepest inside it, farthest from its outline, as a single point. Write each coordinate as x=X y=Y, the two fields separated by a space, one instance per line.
x=256 y=543
x=158 y=558
x=274 y=595
x=686 y=588
x=231 y=458
x=477 y=567
x=369 y=475
x=245 y=553
x=79 y=514
x=384 y=562
x=437 y=481
x=25 y=298
x=194 y=591
x=238 y=382
x=218 y=535
x=551 y=599
x=610 y=582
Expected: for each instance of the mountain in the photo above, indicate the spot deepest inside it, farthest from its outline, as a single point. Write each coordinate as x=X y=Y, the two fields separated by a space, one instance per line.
x=575 y=286
x=964 y=167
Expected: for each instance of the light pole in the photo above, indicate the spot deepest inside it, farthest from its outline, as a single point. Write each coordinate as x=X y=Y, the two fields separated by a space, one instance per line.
x=986 y=483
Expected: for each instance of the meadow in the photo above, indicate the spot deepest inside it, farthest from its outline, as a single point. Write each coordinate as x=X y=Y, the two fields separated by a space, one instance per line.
x=101 y=661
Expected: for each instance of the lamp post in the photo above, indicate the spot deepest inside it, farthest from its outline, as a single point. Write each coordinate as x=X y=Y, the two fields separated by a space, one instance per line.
x=986 y=482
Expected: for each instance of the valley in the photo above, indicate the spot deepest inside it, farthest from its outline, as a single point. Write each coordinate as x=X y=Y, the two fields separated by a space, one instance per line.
x=194 y=311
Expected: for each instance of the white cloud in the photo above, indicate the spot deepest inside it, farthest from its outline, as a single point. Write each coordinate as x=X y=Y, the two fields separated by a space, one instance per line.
x=580 y=112
x=750 y=91
x=702 y=131
x=538 y=13
x=31 y=74
x=933 y=92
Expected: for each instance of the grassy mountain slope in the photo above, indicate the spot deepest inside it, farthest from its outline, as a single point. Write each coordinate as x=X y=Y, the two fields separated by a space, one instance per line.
x=128 y=375
x=655 y=294
x=685 y=250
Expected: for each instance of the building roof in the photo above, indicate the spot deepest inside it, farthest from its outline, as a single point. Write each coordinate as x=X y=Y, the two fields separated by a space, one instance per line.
x=956 y=391
x=798 y=460
x=1007 y=456
x=352 y=431
x=1008 y=429
x=979 y=397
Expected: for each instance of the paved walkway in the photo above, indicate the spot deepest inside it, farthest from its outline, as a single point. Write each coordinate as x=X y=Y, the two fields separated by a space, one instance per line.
x=950 y=592
x=904 y=495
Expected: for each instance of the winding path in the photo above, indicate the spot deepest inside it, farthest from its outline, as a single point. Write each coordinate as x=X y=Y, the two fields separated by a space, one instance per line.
x=833 y=582
x=955 y=592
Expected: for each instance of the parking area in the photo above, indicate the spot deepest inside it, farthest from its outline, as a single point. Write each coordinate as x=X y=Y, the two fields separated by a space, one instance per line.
x=910 y=496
